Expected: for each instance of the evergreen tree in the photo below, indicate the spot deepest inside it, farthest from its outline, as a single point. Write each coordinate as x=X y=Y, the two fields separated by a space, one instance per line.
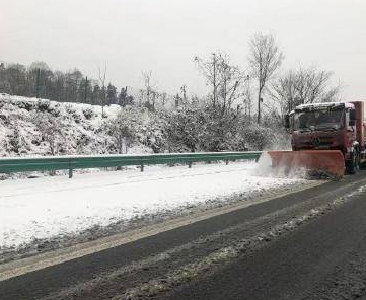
x=125 y=99
x=95 y=95
x=39 y=79
x=111 y=94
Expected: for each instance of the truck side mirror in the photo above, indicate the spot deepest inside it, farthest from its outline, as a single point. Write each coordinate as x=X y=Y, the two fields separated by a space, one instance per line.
x=287 y=121
x=352 y=117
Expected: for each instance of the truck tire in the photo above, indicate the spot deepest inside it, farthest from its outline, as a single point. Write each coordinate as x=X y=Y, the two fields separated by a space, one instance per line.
x=353 y=164
x=363 y=165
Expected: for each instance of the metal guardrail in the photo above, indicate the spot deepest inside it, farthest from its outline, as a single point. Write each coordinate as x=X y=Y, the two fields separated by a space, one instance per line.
x=14 y=165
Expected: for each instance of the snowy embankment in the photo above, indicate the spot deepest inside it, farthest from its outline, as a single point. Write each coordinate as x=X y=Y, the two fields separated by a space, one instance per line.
x=45 y=207
x=26 y=125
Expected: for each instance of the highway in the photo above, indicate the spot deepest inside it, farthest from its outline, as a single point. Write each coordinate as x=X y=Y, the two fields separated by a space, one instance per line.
x=309 y=244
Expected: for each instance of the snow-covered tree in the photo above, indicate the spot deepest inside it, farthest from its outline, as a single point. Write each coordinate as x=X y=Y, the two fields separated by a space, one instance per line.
x=15 y=141
x=185 y=127
x=50 y=129
x=123 y=129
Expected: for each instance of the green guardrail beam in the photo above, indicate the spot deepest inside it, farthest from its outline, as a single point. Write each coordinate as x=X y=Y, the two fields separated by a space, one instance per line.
x=15 y=165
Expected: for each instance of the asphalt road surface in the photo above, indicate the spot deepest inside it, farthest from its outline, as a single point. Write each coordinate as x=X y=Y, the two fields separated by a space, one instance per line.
x=306 y=245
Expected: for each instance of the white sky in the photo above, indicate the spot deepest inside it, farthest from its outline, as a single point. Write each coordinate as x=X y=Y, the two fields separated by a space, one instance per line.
x=131 y=36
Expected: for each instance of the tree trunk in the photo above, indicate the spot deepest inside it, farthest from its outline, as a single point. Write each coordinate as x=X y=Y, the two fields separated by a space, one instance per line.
x=259 y=106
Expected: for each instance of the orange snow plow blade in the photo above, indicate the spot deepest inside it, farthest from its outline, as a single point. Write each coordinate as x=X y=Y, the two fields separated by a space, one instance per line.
x=329 y=162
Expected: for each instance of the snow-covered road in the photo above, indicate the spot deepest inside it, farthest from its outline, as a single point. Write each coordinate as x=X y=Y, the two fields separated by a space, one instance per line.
x=49 y=206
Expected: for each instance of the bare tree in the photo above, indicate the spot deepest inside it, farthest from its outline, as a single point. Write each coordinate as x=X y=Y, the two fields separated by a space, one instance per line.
x=231 y=78
x=265 y=59
x=303 y=86
x=313 y=86
x=102 y=83
x=283 y=91
x=247 y=99
x=224 y=78
x=150 y=92
x=183 y=90
x=209 y=70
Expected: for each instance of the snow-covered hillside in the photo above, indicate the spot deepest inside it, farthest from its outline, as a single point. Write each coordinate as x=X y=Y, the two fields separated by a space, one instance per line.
x=79 y=127
x=30 y=126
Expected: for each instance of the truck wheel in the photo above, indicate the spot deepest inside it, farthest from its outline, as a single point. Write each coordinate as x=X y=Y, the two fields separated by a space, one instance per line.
x=353 y=164
x=362 y=165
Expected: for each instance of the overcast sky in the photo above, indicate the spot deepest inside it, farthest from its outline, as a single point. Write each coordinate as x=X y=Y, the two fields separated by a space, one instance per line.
x=131 y=36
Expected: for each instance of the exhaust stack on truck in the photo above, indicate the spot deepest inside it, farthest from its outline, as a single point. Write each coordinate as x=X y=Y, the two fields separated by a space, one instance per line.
x=326 y=138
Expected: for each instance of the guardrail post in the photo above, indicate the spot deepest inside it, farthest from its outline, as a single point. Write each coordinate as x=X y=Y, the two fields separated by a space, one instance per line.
x=70 y=169
x=190 y=164
x=227 y=161
x=142 y=167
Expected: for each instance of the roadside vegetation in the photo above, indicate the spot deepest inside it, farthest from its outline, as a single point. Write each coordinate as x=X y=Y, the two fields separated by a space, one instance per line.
x=243 y=109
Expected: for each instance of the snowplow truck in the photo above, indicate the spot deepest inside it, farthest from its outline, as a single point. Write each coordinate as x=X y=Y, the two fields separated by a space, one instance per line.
x=327 y=138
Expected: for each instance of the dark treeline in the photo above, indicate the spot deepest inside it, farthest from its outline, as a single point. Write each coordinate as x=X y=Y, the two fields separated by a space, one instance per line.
x=38 y=80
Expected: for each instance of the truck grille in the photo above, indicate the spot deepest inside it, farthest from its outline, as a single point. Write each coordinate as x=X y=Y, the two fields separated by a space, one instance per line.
x=319 y=142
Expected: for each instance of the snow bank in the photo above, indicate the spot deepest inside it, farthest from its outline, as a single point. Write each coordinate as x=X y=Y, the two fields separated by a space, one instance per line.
x=265 y=169
x=50 y=206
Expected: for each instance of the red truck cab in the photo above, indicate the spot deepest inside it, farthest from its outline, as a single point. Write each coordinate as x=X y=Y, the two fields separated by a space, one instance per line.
x=330 y=126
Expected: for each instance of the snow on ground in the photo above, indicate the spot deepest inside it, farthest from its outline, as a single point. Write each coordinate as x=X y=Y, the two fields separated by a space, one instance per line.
x=50 y=206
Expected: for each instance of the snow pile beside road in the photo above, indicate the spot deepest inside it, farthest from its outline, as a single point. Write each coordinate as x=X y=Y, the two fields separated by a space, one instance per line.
x=45 y=207
x=264 y=168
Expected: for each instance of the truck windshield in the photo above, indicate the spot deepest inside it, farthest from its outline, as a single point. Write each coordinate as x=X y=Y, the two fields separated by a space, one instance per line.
x=319 y=119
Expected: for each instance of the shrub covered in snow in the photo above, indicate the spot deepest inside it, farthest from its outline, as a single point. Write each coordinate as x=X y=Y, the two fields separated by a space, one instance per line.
x=30 y=126
x=152 y=132
x=123 y=129
x=185 y=128
x=50 y=128
x=200 y=127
